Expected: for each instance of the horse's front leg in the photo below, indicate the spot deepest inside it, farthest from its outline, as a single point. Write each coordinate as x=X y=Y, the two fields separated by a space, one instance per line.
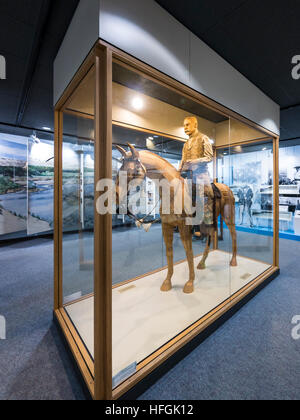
x=168 y=233
x=186 y=238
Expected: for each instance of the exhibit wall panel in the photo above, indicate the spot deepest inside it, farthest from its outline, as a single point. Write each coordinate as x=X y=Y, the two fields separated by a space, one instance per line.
x=40 y=186
x=26 y=183
x=13 y=184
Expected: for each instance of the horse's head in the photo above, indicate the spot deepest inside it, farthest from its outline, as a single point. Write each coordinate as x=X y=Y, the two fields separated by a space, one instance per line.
x=134 y=170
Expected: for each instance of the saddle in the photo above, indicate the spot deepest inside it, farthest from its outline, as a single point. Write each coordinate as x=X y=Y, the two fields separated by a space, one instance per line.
x=204 y=229
x=217 y=192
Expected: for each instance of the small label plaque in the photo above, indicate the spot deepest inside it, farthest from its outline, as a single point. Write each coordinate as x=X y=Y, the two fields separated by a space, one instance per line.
x=245 y=276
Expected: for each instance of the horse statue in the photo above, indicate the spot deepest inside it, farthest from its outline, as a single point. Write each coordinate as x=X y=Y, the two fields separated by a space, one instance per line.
x=141 y=164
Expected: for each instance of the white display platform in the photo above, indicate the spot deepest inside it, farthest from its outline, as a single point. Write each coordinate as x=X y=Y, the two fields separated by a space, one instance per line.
x=145 y=319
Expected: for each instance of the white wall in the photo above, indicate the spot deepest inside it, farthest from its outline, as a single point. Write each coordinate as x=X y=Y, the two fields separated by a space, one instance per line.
x=79 y=40
x=146 y=31
x=143 y=29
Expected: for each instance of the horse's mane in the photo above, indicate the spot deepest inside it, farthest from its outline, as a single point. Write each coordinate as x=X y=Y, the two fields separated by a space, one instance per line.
x=161 y=162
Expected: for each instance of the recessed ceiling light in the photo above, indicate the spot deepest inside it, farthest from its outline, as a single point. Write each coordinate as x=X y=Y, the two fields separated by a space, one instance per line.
x=47 y=128
x=137 y=104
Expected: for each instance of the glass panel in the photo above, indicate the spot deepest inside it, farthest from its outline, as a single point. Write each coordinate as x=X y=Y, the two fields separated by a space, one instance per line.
x=78 y=216
x=78 y=209
x=248 y=169
x=158 y=249
x=147 y=203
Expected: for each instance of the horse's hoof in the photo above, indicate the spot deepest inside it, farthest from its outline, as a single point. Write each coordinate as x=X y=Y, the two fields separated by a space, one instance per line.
x=201 y=266
x=166 y=287
x=188 y=288
x=233 y=263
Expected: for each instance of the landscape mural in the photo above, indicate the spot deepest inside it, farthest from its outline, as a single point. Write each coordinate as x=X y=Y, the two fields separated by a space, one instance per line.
x=13 y=184
x=40 y=186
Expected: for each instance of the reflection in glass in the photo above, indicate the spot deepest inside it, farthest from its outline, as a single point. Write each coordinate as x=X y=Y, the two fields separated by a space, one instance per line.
x=78 y=181
x=78 y=217
x=248 y=170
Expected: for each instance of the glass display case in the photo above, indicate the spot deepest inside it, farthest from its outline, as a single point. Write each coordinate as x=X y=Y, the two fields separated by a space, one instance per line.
x=163 y=206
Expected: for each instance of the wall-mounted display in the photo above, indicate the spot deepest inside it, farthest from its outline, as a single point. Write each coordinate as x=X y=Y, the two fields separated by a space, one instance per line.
x=40 y=185
x=13 y=184
x=133 y=283
x=27 y=183
x=289 y=189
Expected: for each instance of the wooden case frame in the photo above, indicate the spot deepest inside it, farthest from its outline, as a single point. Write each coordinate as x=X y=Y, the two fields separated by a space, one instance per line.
x=97 y=373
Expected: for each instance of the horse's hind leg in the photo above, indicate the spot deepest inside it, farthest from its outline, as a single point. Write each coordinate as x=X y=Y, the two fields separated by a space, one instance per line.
x=202 y=265
x=168 y=233
x=186 y=238
x=230 y=222
x=232 y=230
x=221 y=237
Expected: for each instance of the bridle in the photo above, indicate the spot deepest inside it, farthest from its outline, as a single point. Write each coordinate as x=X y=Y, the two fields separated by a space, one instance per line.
x=141 y=222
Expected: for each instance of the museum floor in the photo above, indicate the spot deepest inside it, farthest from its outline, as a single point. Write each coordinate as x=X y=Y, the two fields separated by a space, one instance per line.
x=252 y=356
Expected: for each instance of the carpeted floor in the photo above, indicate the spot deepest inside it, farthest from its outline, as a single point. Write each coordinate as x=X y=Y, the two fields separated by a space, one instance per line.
x=252 y=356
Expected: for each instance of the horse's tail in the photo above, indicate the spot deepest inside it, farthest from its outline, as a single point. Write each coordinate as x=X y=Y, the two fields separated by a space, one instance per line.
x=217 y=196
x=227 y=199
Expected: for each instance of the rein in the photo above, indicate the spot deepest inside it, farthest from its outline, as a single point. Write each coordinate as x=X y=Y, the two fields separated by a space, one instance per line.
x=141 y=222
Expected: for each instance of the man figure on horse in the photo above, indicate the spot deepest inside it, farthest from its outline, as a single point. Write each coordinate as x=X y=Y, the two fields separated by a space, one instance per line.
x=197 y=154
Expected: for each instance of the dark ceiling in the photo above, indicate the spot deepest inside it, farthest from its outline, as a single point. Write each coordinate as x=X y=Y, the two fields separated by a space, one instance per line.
x=258 y=37
x=31 y=32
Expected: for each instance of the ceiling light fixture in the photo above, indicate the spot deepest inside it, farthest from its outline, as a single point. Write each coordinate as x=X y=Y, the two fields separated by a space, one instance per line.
x=137 y=104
